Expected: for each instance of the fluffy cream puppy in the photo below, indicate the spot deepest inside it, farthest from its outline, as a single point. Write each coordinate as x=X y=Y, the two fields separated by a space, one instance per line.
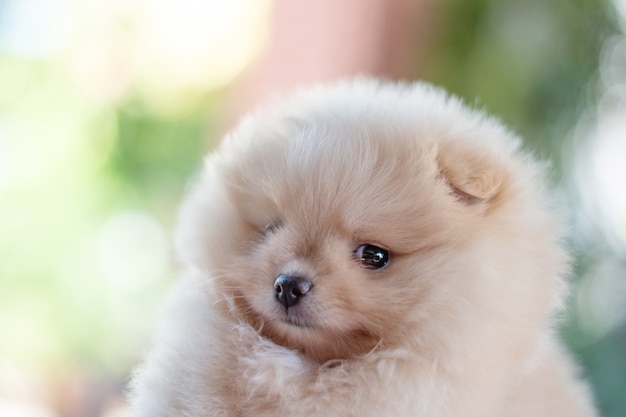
x=365 y=249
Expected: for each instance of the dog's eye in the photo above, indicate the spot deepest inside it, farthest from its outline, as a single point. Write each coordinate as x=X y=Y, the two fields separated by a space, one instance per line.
x=271 y=227
x=372 y=257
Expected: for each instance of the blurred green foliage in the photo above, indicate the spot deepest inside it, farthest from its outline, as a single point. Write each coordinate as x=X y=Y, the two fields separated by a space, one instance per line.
x=528 y=62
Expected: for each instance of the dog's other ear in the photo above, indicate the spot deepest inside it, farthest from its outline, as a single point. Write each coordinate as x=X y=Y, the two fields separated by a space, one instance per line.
x=473 y=176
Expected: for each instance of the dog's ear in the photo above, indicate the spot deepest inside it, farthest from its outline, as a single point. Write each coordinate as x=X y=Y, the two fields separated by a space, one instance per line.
x=473 y=176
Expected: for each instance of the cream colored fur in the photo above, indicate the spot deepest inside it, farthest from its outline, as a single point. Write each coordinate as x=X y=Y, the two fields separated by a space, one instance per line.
x=458 y=324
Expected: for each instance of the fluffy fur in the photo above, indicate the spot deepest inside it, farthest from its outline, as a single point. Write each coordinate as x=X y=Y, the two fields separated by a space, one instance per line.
x=459 y=323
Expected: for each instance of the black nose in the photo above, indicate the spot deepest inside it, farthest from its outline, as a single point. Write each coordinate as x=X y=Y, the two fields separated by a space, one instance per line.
x=290 y=289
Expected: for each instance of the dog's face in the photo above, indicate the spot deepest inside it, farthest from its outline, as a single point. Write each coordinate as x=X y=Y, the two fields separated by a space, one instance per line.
x=333 y=238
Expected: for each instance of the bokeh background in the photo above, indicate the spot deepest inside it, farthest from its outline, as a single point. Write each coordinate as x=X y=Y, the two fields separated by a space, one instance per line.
x=107 y=107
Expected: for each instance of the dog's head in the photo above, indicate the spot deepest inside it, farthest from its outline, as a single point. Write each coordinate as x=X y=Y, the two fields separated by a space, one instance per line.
x=362 y=215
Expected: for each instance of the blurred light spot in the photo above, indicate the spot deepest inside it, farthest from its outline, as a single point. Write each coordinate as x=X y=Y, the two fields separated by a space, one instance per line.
x=34 y=28
x=601 y=299
x=199 y=43
x=601 y=156
x=132 y=251
x=609 y=172
x=16 y=409
x=613 y=62
x=102 y=71
x=600 y=170
x=620 y=5
x=66 y=138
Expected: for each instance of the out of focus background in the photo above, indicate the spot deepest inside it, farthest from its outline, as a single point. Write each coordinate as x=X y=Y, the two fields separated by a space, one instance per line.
x=107 y=107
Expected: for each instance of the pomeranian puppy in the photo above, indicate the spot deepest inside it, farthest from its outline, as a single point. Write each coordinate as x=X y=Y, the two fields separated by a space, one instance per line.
x=365 y=249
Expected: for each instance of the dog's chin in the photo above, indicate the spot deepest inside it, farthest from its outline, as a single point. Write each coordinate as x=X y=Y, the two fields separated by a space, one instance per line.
x=296 y=320
x=299 y=329
x=318 y=342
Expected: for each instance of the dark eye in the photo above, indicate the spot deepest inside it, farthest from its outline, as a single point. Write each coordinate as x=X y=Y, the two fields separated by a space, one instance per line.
x=372 y=257
x=272 y=227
